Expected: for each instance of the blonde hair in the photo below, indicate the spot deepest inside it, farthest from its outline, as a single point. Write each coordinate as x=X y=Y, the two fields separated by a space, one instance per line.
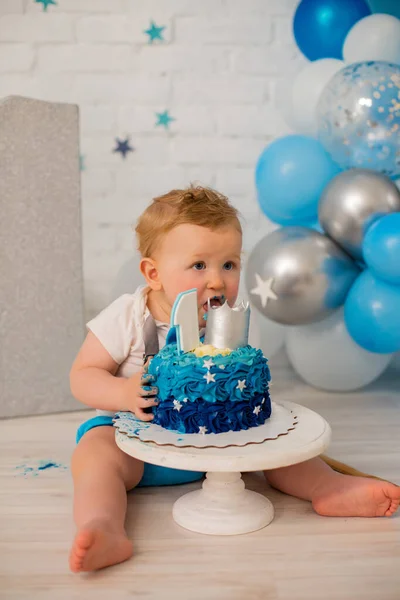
x=198 y=205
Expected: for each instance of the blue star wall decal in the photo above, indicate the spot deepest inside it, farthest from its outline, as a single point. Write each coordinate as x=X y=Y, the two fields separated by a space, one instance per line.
x=154 y=32
x=123 y=147
x=46 y=3
x=164 y=118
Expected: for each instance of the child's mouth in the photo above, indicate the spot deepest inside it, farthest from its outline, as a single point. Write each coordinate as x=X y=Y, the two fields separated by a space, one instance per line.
x=215 y=302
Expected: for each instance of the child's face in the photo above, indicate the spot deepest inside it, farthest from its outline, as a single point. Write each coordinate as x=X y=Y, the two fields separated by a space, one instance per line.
x=191 y=256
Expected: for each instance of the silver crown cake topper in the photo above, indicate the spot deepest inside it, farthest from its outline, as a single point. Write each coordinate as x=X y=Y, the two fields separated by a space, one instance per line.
x=228 y=327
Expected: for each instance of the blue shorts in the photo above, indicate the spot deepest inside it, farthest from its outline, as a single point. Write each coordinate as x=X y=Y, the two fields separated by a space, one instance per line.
x=153 y=474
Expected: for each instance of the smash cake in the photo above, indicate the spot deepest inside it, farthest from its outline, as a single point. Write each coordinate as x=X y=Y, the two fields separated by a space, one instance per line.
x=216 y=385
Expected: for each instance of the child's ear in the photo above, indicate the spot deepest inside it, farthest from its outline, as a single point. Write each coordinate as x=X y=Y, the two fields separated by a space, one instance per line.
x=148 y=268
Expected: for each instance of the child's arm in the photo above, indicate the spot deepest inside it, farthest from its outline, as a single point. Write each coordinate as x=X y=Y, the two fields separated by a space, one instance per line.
x=93 y=382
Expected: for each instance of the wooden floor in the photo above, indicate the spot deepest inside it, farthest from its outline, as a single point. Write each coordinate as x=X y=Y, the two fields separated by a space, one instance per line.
x=300 y=556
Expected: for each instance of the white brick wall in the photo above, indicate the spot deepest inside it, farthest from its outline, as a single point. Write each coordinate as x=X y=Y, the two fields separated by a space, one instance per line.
x=216 y=73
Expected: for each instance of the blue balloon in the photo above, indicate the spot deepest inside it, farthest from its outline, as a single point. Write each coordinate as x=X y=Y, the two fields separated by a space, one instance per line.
x=381 y=248
x=321 y=26
x=372 y=314
x=358 y=117
x=389 y=7
x=290 y=175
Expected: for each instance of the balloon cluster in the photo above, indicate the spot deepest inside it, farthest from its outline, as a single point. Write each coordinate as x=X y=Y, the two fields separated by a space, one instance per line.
x=332 y=272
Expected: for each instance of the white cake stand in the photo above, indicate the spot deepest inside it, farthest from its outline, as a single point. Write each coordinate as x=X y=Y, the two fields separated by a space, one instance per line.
x=223 y=506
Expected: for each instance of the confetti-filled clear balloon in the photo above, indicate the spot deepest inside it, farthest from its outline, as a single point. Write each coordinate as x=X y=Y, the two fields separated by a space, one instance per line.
x=358 y=117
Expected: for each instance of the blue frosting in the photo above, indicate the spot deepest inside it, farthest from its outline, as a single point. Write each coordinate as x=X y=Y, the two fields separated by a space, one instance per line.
x=194 y=394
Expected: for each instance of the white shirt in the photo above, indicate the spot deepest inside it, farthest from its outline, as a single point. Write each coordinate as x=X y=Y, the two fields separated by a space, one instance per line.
x=119 y=328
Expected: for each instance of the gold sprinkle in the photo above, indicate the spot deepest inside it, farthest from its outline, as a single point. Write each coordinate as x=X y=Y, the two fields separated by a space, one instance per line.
x=376 y=95
x=381 y=109
x=382 y=88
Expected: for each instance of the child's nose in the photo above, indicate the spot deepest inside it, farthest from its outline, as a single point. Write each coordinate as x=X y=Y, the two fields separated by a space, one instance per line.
x=215 y=281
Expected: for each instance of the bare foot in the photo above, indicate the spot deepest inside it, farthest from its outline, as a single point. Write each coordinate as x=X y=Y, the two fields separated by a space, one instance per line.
x=95 y=547
x=348 y=496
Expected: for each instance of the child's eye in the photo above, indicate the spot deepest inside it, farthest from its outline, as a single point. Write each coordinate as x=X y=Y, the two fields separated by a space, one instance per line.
x=229 y=266
x=199 y=266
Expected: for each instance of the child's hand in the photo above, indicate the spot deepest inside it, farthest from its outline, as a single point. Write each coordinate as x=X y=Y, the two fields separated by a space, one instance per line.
x=140 y=394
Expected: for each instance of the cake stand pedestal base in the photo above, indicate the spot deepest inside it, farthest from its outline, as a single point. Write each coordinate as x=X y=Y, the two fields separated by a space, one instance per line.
x=223 y=507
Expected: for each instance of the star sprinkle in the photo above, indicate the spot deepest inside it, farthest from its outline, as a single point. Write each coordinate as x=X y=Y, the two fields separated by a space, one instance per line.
x=210 y=377
x=46 y=3
x=202 y=429
x=264 y=290
x=241 y=384
x=177 y=405
x=257 y=410
x=207 y=364
x=123 y=147
x=164 y=119
x=154 y=32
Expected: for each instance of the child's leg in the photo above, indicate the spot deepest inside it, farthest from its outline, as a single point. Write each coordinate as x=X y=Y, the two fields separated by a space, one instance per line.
x=102 y=474
x=334 y=494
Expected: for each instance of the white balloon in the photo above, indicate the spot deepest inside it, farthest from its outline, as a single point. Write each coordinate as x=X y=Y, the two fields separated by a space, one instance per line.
x=284 y=90
x=264 y=334
x=395 y=362
x=326 y=357
x=307 y=88
x=376 y=37
x=128 y=278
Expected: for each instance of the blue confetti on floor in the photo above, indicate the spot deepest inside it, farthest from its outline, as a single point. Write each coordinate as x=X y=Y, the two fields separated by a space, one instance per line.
x=35 y=470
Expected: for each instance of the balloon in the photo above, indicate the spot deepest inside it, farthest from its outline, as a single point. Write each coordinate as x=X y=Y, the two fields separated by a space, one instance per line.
x=264 y=334
x=290 y=175
x=307 y=88
x=358 y=116
x=351 y=201
x=395 y=362
x=381 y=248
x=320 y=26
x=295 y=275
x=372 y=314
x=376 y=37
x=283 y=97
x=391 y=7
x=325 y=356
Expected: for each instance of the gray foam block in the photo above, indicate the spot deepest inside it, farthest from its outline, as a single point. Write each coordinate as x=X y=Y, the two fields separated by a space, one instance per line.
x=41 y=284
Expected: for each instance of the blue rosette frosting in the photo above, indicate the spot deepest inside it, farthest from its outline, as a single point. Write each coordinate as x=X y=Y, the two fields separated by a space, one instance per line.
x=211 y=394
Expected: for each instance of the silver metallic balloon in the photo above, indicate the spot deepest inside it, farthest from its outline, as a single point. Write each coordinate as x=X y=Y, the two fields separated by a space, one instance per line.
x=351 y=201
x=296 y=275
